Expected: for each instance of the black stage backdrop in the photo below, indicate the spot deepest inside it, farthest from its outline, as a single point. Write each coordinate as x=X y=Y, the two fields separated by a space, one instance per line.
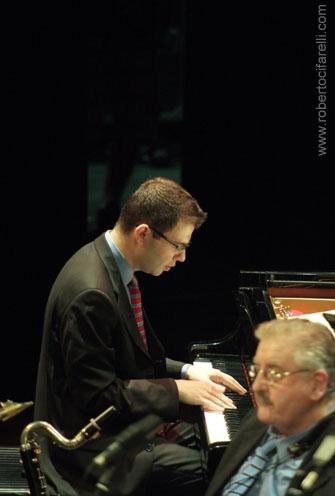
x=249 y=135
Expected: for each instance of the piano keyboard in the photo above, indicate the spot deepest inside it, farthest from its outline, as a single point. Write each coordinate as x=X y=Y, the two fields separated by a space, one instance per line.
x=220 y=427
x=216 y=428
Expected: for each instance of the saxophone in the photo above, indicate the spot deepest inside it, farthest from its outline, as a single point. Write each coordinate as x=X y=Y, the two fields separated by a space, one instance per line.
x=30 y=448
x=9 y=409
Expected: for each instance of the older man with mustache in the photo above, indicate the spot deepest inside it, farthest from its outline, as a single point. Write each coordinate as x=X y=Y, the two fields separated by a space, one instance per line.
x=293 y=376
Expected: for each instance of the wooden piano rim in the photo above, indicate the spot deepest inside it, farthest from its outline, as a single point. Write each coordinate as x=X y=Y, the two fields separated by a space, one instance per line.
x=300 y=292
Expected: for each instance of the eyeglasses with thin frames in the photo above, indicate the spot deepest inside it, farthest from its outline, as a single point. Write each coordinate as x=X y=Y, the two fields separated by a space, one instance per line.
x=271 y=375
x=178 y=246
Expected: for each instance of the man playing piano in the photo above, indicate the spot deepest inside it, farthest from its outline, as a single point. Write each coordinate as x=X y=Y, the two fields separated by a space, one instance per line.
x=286 y=446
x=99 y=349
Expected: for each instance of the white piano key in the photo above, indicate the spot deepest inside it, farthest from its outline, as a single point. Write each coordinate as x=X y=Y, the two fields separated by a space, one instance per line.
x=216 y=427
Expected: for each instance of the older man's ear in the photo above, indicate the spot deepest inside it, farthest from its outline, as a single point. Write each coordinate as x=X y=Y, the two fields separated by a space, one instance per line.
x=320 y=384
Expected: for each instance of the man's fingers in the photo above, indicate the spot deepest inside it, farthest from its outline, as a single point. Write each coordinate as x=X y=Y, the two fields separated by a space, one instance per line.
x=213 y=405
x=220 y=401
x=229 y=382
x=228 y=402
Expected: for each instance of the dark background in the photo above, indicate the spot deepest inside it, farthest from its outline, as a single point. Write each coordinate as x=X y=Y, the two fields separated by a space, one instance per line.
x=87 y=86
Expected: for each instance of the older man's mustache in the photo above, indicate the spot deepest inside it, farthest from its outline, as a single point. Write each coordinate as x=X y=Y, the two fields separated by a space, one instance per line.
x=262 y=399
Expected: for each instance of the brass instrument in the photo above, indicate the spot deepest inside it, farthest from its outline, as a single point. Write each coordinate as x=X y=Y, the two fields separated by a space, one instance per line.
x=30 y=448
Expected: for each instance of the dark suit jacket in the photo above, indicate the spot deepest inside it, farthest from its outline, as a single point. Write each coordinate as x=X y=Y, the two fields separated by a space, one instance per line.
x=248 y=438
x=92 y=355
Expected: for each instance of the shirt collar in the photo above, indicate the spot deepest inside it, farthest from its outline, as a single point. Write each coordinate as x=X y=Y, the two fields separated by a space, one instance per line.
x=283 y=442
x=125 y=270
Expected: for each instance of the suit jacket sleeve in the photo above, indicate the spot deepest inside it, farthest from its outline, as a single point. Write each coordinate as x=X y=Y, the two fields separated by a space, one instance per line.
x=98 y=365
x=173 y=368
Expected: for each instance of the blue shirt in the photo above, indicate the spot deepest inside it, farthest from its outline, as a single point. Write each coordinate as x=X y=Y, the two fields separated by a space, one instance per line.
x=276 y=476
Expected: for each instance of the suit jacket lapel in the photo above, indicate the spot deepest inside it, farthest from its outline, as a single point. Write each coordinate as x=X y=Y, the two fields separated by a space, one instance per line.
x=119 y=290
x=326 y=426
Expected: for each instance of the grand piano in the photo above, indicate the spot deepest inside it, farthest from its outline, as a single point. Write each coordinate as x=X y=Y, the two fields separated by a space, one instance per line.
x=260 y=296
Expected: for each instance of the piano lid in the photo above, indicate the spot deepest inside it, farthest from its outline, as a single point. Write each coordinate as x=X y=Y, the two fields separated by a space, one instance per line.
x=292 y=294
x=265 y=279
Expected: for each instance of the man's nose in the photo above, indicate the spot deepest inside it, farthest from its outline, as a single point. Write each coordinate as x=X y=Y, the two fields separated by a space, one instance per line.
x=260 y=383
x=181 y=256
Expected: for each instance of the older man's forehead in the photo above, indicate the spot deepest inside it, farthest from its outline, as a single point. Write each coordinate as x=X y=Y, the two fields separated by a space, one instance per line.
x=276 y=352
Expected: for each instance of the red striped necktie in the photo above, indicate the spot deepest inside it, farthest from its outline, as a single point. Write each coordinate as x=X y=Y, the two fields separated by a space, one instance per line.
x=136 y=303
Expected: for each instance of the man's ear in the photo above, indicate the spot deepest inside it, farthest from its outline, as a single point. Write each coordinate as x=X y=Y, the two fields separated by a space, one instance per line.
x=320 y=384
x=141 y=231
